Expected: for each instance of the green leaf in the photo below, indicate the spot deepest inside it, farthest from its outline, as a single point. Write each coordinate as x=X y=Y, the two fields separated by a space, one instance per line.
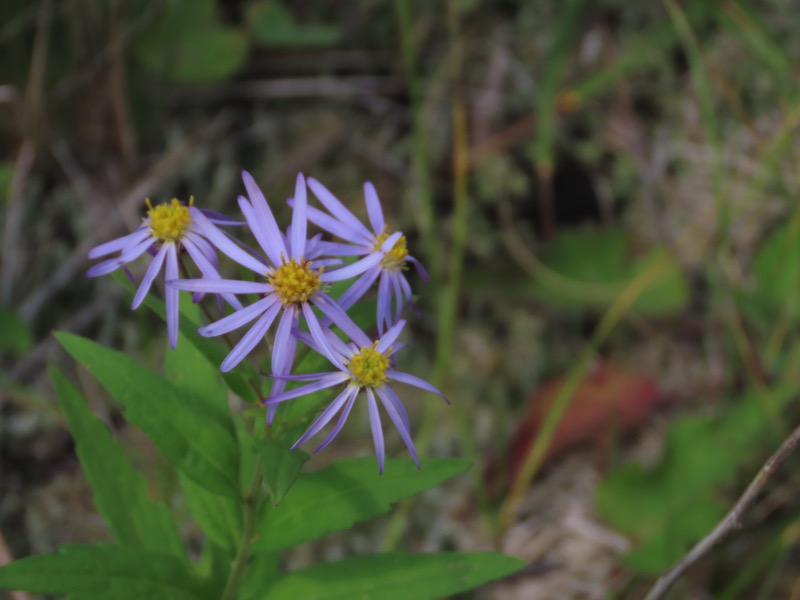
x=394 y=576
x=212 y=350
x=187 y=44
x=280 y=466
x=347 y=492
x=592 y=267
x=183 y=428
x=120 y=492
x=220 y=517
x=16 y=337
x=188 y=369
x=272 y=24
x=105 y=572
x=775 y=288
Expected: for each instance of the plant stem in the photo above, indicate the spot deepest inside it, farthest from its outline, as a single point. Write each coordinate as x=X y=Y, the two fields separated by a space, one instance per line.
x=424 y=198
x=536 y=454
x=252 y=502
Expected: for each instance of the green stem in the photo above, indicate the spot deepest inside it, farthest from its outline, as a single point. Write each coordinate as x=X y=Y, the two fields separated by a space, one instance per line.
x=252 y=502
x=448 y=293
x=424 y=198
x=535 y=455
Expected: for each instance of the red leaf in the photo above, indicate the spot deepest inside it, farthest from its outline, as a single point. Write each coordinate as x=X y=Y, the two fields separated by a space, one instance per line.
x=609 y=401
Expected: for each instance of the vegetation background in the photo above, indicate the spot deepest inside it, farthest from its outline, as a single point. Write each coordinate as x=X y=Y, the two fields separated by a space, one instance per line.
x=605 y=194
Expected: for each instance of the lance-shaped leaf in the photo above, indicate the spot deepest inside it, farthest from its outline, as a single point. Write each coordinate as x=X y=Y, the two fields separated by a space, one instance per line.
x=393 y=576
x=220 y=517
x=210 y=349
x=188 y=369
x=120 y=492
x=344 y=493
x=280 y=466
x=105 y=572
x=183 y=428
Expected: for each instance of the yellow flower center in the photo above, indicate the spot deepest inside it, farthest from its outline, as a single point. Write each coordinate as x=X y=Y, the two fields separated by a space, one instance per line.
x=295 y=282
x=169 y=221
x=396 y=257
x=369 y=366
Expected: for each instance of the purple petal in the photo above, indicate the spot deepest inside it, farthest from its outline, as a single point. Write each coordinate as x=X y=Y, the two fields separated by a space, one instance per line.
x=307 y=339
x=300 y=377
x=338 y=210
x=128 y=255
x=105 y=267
x=205 y=248
x=409 y=379
x=270 y=248
x=198 y=249
x=266 y=220
x=397 y=413
x=384 y=301
x=319 y=337
x=221 y=286
x=128 y=241
x=171 y=295
x=225 y=245
x=335 y=342
x=329 y=380
x=398 y=294
x=312 y=243
x=285 y=343
x=330 y=308
x=358 y=267
x=388 y=394
x=218 y=218
x=239 y=318
x=317 y=264
x=326 y=415
x=405 y=285
x=336 y=249
x=250 y=339
x=377 y=430
x=374 y=208
x=390 y=336
x=277 y=387
x=359 y=288
x=299 y=219
x=129 y=275
x=149 y=276
x=420 y=269
x=342 y=420
x=332 y=225
x=389 y=242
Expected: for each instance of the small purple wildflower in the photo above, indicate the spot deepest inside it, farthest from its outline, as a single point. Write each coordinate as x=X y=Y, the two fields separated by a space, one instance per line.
x=293 y=282
x=362 y=365
x=168 y=228
x=393 y=286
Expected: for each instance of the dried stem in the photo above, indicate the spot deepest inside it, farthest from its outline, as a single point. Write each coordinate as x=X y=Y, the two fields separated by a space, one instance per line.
x=730 y=521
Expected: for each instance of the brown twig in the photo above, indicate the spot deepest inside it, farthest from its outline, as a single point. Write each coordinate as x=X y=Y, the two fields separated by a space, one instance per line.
x=730 y=521
x=15 y=213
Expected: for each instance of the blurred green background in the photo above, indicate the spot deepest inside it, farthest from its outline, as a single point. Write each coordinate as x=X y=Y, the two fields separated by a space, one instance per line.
x=605 y=194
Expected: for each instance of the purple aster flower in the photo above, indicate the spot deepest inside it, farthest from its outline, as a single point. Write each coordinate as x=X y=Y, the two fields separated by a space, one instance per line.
x=291 y=283
x=362 y=365
x=393 y=287
x=168 y=228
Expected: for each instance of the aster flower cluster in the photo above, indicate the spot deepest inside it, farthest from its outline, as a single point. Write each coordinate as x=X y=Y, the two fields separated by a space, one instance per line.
x=291 y=275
